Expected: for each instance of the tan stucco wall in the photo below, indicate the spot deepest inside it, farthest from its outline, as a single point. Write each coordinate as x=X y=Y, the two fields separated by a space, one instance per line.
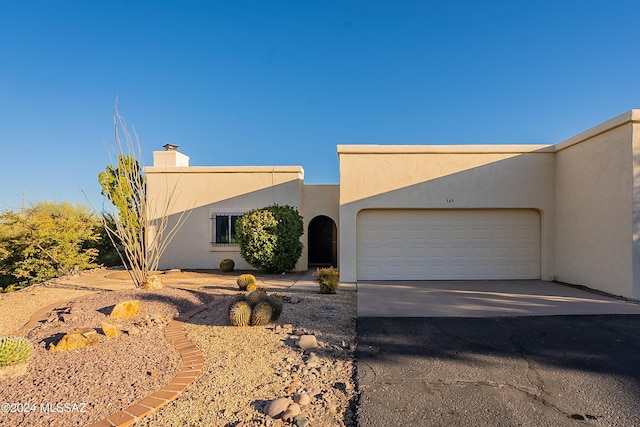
x=319 y=200
x=439 y=177
x=595 y=205
x=636 y=206
x=586 y=189
x=206 y=190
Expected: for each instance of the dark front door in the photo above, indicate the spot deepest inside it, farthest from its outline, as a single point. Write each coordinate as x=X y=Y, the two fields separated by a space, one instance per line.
x=323 y=242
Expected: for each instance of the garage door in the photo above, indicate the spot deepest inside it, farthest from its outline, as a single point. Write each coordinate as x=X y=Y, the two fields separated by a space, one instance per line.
x=448 y=244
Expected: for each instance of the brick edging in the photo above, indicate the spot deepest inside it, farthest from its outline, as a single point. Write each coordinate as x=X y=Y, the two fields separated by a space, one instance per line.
x=191 y=370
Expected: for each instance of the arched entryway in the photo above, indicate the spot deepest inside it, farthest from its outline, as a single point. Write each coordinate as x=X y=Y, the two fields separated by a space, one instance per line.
x=322 y=242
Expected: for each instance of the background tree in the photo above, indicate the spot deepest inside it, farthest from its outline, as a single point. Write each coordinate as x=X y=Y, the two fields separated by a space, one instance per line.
x=269 y=238
x=124 y=185
x=46 y=240
x=133 y=216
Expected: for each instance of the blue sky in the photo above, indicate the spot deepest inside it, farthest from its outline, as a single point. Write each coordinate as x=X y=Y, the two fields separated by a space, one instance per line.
x=283 y=82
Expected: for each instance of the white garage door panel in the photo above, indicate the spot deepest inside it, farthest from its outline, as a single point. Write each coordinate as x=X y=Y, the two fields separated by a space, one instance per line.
x=448 y=244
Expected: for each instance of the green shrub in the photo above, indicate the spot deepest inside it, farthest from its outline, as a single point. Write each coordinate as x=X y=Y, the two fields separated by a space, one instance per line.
x=269 y=238
x=328 y=278
x=14 y=351
x=47 y=240
x=227 y=265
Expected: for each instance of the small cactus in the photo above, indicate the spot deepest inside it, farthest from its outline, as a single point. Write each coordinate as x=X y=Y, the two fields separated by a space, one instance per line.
x=275 y=301
x=14 y=351
x=251 y=287
x=240 y=314
x=261 y=314
x=236 y=298
x=227 y=265
x=256 y=297
x=246 y=280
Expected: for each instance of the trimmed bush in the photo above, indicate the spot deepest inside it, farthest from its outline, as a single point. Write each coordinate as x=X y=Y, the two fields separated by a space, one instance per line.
x=269 y=238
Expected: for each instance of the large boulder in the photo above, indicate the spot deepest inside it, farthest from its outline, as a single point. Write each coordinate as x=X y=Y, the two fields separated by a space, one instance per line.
x=79 y=338
x=125 y=309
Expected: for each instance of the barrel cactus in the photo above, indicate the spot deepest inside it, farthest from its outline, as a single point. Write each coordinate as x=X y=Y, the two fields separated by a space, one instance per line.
x=246 y=280
x=236 y=298
x=14 y=351
x=240 y=314
x=256 y=297
x=227 y=265
x=275 y=301
x=261 y=314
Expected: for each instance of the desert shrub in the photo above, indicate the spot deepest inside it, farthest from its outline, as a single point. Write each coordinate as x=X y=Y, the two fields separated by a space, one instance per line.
x=328 y=278
x=269 y=238
x=107 y=253
x=227 y=265
x=46 y=240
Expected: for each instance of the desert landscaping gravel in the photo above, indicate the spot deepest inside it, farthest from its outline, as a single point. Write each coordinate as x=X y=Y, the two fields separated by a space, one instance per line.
x=245 y=367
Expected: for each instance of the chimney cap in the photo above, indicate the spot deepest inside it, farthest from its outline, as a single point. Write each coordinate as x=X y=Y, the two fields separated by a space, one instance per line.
x=170 y=147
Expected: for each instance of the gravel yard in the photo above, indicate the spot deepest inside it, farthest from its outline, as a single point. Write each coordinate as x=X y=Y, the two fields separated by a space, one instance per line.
x=245 y=367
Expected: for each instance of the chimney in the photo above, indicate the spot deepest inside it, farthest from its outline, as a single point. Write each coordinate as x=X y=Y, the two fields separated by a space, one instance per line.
x=170 y=157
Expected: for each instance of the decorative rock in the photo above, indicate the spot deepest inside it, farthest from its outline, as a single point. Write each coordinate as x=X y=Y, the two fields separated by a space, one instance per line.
x=152 y=282
x=125 y=310
x=301 y=421
x=74 y=309
x=313 y=361
x=276 y=408
x=79 y=338
x=133 y=331
x=110 y=331
x=68 y=317
x=302 y=399
x=308 y=342
x=292 y=411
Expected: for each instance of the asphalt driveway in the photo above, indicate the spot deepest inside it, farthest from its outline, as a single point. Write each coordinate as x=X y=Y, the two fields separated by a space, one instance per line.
x=484 y=357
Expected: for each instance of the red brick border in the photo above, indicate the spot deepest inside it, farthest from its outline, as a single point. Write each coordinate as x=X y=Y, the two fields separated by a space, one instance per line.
x=192 y=366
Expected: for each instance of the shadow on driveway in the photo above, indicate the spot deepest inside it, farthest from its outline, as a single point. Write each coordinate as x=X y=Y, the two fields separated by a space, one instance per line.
x=499 y=371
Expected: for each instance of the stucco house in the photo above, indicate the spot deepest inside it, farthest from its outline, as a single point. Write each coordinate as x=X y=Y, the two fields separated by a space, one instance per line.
x=568 y=212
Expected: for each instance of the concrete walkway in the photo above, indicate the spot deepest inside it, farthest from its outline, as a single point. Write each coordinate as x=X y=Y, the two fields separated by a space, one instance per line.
x=308 y=283
x=483 y=299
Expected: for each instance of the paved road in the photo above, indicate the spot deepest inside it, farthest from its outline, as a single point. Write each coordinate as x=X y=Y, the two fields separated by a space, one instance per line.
x=508 y=371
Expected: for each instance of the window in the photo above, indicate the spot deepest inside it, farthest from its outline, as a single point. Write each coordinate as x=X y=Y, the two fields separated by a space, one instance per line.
x=224 y=228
